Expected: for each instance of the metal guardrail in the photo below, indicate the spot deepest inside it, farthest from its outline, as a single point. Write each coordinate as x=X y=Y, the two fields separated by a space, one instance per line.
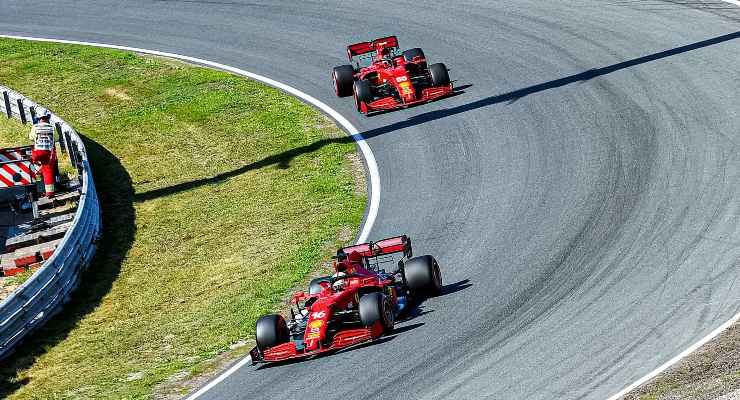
x=42 y=295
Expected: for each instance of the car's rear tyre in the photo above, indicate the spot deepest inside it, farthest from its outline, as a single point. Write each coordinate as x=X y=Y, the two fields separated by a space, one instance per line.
x=408 y=55
x=422 y=276
x=363 y=94
x=314 y=287
x=439 y=74
x=343 y=77
x=376 y=307
x=272 y=330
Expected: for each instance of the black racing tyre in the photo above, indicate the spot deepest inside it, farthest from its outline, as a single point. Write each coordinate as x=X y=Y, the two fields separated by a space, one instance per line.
x=314 y=287
x=272 y=330
x=439 y=74
x=343 y=77
x=408 y=55
x=363 y=94
x=376 y=307
x=422 y=276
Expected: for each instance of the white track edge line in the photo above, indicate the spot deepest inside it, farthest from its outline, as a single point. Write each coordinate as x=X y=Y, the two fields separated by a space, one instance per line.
x=374 y=192
x=677 y=358
x=367 y=153
x=691 y=348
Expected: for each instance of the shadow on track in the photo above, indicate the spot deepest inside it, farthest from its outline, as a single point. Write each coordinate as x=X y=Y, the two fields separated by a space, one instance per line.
x=282 y=160
x=375 y=342
x=456 y=287
x=416 y=310
x=717 y=7
x=456 y=91
x=116 y=201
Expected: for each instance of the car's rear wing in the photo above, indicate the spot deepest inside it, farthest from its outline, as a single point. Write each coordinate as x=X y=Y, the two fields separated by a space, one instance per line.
x=390 y=245
x=368 y=47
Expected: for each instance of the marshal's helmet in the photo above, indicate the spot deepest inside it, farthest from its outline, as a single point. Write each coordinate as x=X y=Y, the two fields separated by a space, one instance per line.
x=43 y=114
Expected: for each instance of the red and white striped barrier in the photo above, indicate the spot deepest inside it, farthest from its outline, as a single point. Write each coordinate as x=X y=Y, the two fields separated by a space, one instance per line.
x=16 y=168
x=16 y=153
x=17 y=173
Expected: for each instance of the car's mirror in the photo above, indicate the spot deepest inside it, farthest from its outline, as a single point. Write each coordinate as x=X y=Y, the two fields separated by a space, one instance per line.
x=298 y=296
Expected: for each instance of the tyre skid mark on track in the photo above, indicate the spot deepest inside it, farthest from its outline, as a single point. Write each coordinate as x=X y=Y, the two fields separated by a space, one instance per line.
x=367 y=153
x=677 y=358
x=691 y=348
x=375 y=195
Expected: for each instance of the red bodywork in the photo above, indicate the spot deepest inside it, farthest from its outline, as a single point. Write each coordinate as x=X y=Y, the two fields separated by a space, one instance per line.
x=353 y=262
x=392 y=70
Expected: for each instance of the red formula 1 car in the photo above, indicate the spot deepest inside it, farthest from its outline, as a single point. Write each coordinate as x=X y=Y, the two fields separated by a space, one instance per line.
x=359 y=303
x=383 y=78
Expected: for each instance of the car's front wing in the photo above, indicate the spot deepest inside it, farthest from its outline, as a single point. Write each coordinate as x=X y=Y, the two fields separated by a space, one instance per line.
x=390 y=103
x=342 y=339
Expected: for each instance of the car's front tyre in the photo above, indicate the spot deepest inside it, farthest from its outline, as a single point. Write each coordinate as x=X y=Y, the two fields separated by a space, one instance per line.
x=376 y=307
x=343 y=77
x=363 y=93
x=439 y=75
x=272 y=330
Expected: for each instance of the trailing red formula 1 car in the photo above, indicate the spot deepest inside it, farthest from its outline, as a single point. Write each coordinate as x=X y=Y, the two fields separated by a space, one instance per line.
x=358 y=304
x=382 y=78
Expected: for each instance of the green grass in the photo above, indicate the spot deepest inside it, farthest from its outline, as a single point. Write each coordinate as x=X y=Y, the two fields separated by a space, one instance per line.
x=713 y=370
x=219 y=194
x=12 y=132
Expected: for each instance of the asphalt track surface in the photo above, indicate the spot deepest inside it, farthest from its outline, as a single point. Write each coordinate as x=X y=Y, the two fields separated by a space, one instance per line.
x=581 y=191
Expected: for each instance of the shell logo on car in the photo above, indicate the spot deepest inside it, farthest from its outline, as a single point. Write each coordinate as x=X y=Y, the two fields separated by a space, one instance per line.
x=405 y=87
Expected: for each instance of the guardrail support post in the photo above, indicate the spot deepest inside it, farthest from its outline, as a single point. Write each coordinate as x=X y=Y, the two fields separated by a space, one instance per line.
x=76 y=152
x=8 y=110
x=70 y=150
x=43 y=294
x=21 y=111
x=58 y=127
x=33 y=114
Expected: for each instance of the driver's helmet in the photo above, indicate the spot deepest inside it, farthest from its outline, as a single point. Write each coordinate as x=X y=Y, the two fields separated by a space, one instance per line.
x=384 y=54
x=338 y=284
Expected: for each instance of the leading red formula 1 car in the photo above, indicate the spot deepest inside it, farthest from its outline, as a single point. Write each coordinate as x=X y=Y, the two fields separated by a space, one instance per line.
x=383 y=78
x=358 y=304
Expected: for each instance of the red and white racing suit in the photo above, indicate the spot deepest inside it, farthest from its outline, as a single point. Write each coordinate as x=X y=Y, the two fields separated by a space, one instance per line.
x=44 y=153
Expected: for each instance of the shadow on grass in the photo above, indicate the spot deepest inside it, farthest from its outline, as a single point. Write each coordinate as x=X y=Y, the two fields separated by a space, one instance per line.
x=116 y=200
x=282 y=160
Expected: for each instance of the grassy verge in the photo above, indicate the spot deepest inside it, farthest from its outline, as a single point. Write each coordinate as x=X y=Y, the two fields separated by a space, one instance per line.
x=12 y=132
x=707 y=374
x=219 y=194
